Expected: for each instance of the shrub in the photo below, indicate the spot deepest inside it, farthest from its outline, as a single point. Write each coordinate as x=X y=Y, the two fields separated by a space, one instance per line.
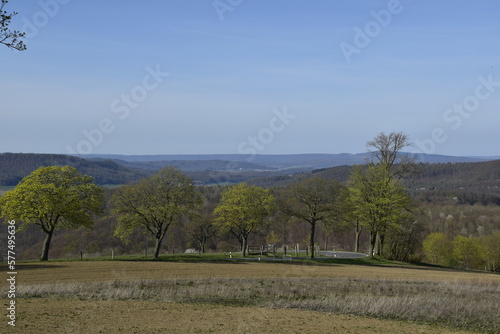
x=438 y=249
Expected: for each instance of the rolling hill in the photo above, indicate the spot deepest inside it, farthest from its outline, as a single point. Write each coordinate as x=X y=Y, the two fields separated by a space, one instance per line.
x=264 y=161
x=15 y=166
x=463 y=174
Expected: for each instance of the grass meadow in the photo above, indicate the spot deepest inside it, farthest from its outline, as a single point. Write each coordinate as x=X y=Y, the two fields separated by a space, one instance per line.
x=177 y=296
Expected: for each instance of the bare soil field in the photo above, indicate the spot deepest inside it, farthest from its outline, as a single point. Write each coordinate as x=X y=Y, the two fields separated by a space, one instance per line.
x=248 y=297
x=75 y=316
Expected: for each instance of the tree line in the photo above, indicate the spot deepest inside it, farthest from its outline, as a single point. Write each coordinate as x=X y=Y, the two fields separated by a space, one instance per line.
x=373 y=201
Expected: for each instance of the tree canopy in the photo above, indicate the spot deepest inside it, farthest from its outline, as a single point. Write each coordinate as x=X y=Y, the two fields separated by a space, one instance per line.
x=379 y=201
x=243 y=210
x=313 y=200
x=155 y=203
x=53 y=198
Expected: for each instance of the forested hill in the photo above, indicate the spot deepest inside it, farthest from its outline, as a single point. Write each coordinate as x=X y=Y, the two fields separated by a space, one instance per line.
x=477 y=176
x=15 y=166
x=470 y=182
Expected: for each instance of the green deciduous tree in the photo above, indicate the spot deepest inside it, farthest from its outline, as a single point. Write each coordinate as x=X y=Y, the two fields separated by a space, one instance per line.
x=438 y=249
x=155 y=203
x=467 y=252
x=349 y=217
x=379 y=201
x=53 y=198
x=490 y=251
x=312 y=200
x=10 y=38
x=243 y=210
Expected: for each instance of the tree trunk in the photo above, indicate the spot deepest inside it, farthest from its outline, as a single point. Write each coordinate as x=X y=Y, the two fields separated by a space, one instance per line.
x=373 y=240
x=159 y=238
x=311 y=240
x=244 y=245
x=157 y=247
x=358 y=229
x=356 y=243
x=46 y=246
x=381 y=239
x=326 y=240
x=379 y=242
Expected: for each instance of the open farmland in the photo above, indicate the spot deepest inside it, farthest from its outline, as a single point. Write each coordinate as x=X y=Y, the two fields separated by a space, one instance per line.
x=177 y=297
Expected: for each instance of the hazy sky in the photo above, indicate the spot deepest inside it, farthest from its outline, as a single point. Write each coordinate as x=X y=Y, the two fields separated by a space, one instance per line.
x=246 y=76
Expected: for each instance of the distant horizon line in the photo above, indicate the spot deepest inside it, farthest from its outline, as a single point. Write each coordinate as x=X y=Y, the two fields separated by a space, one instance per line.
x=240 y=154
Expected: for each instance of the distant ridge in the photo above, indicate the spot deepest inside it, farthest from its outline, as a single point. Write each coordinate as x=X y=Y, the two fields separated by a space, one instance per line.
x=15 y=166
x=115 y=169
x=191 y=165
x=284 y=161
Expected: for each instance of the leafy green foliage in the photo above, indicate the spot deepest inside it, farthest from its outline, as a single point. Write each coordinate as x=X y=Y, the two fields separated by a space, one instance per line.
x=438 y=249
x=53 y=198
x=490 y=251
x=313 y=200
x=466 y=251
x=379 y=201
x=243 y=210
x=155 y=203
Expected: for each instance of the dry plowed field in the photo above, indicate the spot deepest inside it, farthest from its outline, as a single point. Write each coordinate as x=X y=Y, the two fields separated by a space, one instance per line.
x=163 y=297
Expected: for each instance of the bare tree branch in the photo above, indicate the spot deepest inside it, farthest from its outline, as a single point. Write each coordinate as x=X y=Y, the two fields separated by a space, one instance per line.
x=10 y=38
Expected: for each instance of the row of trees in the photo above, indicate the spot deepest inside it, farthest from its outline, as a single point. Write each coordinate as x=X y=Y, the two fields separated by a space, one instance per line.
x=373 y=199
x=482 y=253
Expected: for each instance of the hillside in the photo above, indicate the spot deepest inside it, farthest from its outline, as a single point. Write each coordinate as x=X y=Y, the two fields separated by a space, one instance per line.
x=445 y=190
x=480 y=178
x=15 y=166
x=469 y=182
x=192 y=165
x=266 y=161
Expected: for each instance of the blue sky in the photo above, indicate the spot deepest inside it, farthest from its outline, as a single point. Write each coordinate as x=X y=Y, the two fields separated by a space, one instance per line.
x=251 y=76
